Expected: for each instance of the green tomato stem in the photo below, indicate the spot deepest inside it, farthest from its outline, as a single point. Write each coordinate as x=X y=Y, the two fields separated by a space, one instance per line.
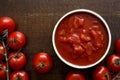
x=117 y=62
x=117 y=77
x=42 y=64
x=16 y=55
x=7 y=67
x=107 y=76
x=18 y=77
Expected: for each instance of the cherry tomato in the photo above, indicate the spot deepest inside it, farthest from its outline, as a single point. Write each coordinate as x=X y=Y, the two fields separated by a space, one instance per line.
x=16 y=40
x=1 y=52
x=19 y=75
x=7 y=23
x=75 y=75
x=2 y=71
x=117 y=46
x=101 y=73
x=42 y=62
x=17 y=60
x=113 y=63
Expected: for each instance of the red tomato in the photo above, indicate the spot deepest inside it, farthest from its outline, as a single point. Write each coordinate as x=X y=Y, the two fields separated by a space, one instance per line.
x=101 y=73
x=75 y=75
x=42 y=62
x=117 y=46
x=16 y=40
x=2 y=71
x=7 y=23
x=19 y=75
x=1 y=52
x=17 y=60
x=113 y=63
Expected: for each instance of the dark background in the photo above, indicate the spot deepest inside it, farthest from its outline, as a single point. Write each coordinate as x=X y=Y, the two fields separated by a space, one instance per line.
x=37 y=18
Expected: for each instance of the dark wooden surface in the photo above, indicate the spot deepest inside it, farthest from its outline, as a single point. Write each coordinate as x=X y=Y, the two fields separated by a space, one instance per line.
x=37 y=18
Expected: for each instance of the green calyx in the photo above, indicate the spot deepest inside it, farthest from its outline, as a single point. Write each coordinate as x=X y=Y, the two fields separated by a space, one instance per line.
x=107 y=76
x=42 y=64
x=18 y=77
x=117 y=62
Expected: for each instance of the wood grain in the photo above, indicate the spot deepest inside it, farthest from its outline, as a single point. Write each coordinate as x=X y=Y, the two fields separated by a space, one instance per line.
x=37 y=18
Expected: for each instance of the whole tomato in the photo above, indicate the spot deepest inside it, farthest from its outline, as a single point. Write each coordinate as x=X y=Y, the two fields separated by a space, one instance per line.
x=42 y=62
x=19 y=75
x=113 y=63
x=16 y=60
x=117 y=46
x=2 y=71
x=75 y=75
x=16 y=40
x=7 y=23
x=2 y=52
x=101 y=73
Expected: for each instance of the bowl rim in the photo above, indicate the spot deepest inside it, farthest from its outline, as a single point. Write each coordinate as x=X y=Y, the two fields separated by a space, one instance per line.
x=106 y=26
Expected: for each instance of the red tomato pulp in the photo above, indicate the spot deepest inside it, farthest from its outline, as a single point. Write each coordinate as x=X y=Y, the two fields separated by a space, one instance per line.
x=81 y=38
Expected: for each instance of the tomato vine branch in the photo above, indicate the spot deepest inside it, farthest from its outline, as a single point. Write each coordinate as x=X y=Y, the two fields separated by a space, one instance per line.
x=7 y=67
x=117 y=77
x=3 y=37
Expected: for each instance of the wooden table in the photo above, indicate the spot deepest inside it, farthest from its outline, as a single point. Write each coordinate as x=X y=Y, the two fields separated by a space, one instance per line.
x=37 y=18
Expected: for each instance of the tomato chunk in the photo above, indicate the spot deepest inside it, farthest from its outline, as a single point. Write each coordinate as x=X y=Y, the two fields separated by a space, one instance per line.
x=78 y=22
x=78 y=49
x=74 y=38
x=85 y=38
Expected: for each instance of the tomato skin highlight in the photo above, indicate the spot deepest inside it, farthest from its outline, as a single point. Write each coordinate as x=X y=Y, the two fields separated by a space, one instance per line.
x=113 y=63
x=7 y=23
x=42 y=62
x=1 y=52
x=17 y=60
x=16 y=40
x=75 y=75
x=2 y=71
x=101 y=73
x=19 y=75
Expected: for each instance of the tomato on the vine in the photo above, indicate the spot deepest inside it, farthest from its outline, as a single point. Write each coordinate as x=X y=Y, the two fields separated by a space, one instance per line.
x=7 y=23
x=2 y=56
x=16 y=40
x=113 y=63
x=42 y=62
x=75 y=75
x=19 y=75
x=2 y=71
x=16 y=60
x=101 y=73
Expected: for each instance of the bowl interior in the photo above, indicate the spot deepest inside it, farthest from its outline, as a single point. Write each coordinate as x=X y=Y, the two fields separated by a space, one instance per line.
x=100 y=18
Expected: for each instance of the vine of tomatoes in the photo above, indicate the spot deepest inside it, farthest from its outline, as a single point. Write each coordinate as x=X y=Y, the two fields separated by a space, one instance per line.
x=16 y=60
x=11 y=40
